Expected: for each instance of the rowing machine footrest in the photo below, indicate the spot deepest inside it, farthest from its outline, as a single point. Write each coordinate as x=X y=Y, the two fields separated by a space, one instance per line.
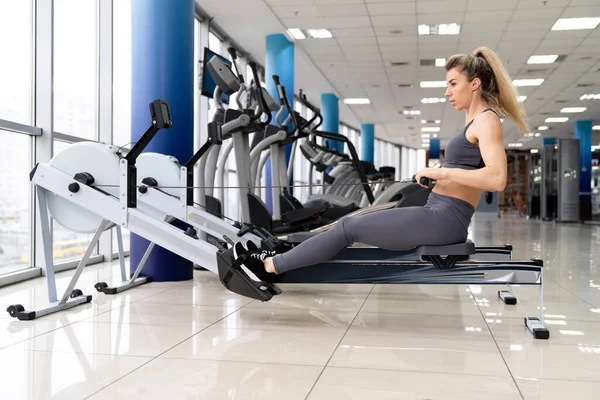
x=235 y=279
x=454 y=253
x=303 y=215
x=459 y=249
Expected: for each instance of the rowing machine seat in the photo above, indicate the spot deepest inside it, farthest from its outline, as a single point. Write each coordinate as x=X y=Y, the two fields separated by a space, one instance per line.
x=458 y=249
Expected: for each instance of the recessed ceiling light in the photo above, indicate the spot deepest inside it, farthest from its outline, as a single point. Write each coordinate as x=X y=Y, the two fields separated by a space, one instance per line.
x=433 y=100
x=426 y=140
x=515 y=145
x=437 y=121
x=319 y=33
x=590 y=97
x=425 y=145
x=435 y=135
x=439 y=29
x=426 y=136
x=542 y=59
x=534 y=151
x=440 y=62
x=433 y=84
x=568 y=24
x=573 y=109
x=537 y=134
x=296 y=33
x=596 y=128
x=542 y=128
x=521 y=98
x=357 y=101
x=412 y=112
x=431 y=129
x=528 y=82
x=556 y=119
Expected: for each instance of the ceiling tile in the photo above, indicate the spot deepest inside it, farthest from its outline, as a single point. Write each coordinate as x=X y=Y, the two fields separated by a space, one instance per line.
x=392 y=8
x=495 y=16
x=445 y=18
x=396 y=41
x=353 y=49
x=393 y=20
x=348 y=22
x=441 y=7
x=514 y=34
x=580 y=12
x=364 y=40
x=470 y=29
x=406 y=30
x=305 y=23
x=297 y=11
x=538 y=14
x=520 y=26
x=492 y=5
x=348 y=10
x=355 y=32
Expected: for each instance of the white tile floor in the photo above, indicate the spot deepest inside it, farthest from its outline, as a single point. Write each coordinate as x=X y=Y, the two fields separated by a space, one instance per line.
x=195 y=340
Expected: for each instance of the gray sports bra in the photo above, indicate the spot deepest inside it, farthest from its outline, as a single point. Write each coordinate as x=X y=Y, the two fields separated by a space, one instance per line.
x=460 y=153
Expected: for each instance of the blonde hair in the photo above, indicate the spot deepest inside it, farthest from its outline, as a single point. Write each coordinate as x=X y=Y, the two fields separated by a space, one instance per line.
x=496 y=86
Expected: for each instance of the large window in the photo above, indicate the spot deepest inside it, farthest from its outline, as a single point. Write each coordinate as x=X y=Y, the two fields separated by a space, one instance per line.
x=15 y=165
x=122 y=73
x=16 y=74
x=76 y=68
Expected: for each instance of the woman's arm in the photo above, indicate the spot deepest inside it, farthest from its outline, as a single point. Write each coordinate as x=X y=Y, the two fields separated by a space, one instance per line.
x=488 y=131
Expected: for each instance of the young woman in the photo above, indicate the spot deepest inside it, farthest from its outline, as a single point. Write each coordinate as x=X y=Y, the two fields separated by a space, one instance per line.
x=475 y=162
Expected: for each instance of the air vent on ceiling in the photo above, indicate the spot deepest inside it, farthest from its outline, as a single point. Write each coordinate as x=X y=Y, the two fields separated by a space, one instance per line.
x=547 y=113
x=584 y=85
x=561 y=101
x=396 y=31
x=427 y=63
x=404 y=85
x=535 y=70
x=585 y=58
x=411 y=128
x=410 y=117
x=398 y=63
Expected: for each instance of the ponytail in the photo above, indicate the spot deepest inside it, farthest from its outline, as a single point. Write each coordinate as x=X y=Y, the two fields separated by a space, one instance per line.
x=496 y=86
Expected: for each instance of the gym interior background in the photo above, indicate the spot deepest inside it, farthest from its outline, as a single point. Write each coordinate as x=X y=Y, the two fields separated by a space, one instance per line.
x=66 y=77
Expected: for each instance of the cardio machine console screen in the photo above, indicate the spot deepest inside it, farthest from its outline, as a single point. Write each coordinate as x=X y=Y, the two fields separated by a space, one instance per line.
x=208 y=83
x=159 y=111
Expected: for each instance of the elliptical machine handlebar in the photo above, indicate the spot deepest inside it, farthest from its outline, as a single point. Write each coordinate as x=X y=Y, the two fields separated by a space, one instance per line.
x=262 y=104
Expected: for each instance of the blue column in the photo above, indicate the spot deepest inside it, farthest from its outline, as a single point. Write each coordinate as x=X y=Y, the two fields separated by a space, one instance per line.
x=583 y=132
x=330 y=109
x=162 y=66
x=367 y=139
x=280 y=62
x=434 y=149
x=548 y=140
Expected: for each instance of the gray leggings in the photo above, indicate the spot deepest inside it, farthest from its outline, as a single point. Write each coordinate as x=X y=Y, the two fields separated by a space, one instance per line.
x=443 y=220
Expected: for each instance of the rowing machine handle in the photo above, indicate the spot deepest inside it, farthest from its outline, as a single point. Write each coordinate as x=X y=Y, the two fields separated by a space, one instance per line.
x=424 y=180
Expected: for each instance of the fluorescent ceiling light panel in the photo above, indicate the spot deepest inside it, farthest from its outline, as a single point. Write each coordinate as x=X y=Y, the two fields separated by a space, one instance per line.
x=590 y=97
x=431 y=129
x=542 y=128
x=556 y=119
x=573 y=109
x=296 y=33
x=439 y=29
x=319 y=33
x=425 y=145
x=433 y=84
x=534 y=151
x=426 y=136
x=433 y=100
x=537 y=134
x=596 y=128
x=528 y=82
x=357 y=101
x=426 y=140
x=440 y=62
x=542 y=59
x=570 y=24
x=515 y=145
x=521 y=99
